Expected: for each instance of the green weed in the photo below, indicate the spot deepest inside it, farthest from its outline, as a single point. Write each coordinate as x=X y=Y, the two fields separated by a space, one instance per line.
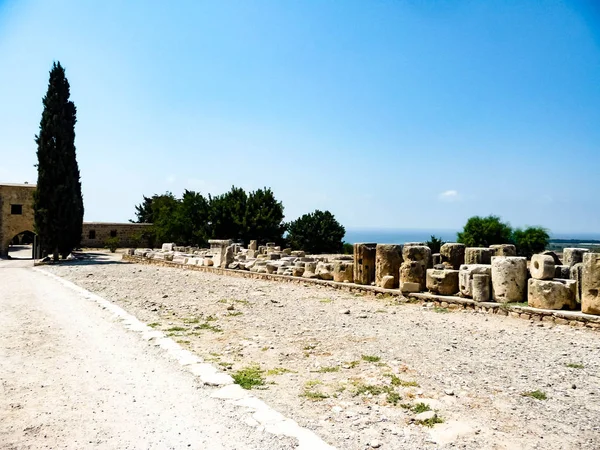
x=249 y=377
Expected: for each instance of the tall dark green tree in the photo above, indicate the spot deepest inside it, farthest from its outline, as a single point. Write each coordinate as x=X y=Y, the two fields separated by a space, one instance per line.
x=58 y=203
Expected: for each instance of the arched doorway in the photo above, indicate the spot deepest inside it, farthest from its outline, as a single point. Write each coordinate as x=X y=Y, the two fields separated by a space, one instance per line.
x=21 y=245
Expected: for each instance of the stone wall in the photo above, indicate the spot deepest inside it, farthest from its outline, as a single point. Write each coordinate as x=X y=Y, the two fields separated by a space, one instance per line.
x=16 y=216
x=95 y=234
x=16 y=212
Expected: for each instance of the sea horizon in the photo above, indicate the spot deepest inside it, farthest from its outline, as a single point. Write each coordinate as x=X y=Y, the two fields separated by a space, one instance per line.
x=404 y=235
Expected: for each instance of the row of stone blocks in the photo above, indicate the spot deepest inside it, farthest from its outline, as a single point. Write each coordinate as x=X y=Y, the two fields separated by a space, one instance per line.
x=405 y=266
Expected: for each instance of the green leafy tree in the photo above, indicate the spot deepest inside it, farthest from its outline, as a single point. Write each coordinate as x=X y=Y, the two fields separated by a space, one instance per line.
x=485 y=231
x=228 y=214
x=165 y=226
x=192 y=219
x=143 y=211
x=317 y=232
x=58 y=202
x=435 y=244
x=530 y=240
x=264 y=217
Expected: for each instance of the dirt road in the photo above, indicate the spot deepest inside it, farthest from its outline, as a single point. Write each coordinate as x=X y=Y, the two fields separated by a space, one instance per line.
x=72 y=377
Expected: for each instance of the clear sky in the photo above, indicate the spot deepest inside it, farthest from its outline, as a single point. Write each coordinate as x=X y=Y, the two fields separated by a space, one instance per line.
x=388 y=113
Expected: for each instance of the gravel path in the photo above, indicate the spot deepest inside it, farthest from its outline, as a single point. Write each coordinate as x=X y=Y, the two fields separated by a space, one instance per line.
x=356 y=369
x=71 y=377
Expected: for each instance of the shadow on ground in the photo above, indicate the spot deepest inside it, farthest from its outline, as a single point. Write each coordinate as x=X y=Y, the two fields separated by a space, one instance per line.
x=89 y=258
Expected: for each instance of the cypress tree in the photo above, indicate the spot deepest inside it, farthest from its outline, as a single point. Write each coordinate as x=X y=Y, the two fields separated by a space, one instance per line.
x=58 y=203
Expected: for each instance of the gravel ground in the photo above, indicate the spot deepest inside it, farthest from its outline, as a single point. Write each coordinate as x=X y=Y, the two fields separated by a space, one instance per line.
x=73 y=377
x=356 y=369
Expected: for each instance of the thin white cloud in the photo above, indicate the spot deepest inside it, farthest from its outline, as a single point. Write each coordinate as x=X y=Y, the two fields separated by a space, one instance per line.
x=449 y=196
x=171 y=179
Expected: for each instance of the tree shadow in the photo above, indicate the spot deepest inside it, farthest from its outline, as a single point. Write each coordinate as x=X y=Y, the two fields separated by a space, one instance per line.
x=90 y=258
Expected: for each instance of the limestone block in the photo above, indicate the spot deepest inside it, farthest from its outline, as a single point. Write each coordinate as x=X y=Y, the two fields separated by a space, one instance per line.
x=552 y=294
x=179 y=259
x=271 y=268
x=228 y=256
x=478 y=255
x=234 y=265
x=509 y=279
x=562 y=272
x=481 y=287
x=310 y=269
x=169 y=256
x=453 y=254
x=503 y=250
x=443 y=282
x=465 y=276
x=590 y=280
x=364 y=263
x=251 y=254
x=436 y=259
x=343 y=271
x=298 y=253
x=273 y=256
x=388 y=258
x=413 y=272
x=168 y=247
x=324 y=271
x=208 y=262
x=387 y=282
x=286 y=251
x=577 y=275
x=572 y=256
x=542 y=267
x=262 y=250
x=297 y=271
x=407 y=287
x=253 y=245
x=419 y=253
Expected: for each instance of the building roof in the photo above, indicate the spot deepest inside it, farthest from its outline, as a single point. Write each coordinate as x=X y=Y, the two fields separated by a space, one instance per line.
x=116 y=223
x=19 y=184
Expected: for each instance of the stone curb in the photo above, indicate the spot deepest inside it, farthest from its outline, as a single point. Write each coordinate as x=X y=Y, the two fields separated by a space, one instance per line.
x=260 y=415
x=573 y=318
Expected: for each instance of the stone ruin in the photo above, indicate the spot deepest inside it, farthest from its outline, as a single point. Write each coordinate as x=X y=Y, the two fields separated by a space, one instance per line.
x=493 y=274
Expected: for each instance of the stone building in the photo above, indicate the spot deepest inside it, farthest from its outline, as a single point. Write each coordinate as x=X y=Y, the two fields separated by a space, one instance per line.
x=16 y=218
x=95 y=234
x=16 y=212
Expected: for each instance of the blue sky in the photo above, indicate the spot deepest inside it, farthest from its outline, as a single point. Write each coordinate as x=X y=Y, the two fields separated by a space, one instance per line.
x=390 y=114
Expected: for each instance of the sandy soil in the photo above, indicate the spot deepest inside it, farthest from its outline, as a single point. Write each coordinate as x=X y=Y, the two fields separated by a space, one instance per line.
x=351 y=367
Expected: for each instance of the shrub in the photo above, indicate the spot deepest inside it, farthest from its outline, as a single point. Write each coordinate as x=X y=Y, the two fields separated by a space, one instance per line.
x=112 y=243
x=435 y=244
x=349 y=248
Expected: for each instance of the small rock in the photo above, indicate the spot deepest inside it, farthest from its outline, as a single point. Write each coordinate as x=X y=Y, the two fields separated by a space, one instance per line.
x=362 y=316
x=448 y=392
x=165 y=296
x=375 y=444
x=230 y=308
x=427 y=415
x=344 y=311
